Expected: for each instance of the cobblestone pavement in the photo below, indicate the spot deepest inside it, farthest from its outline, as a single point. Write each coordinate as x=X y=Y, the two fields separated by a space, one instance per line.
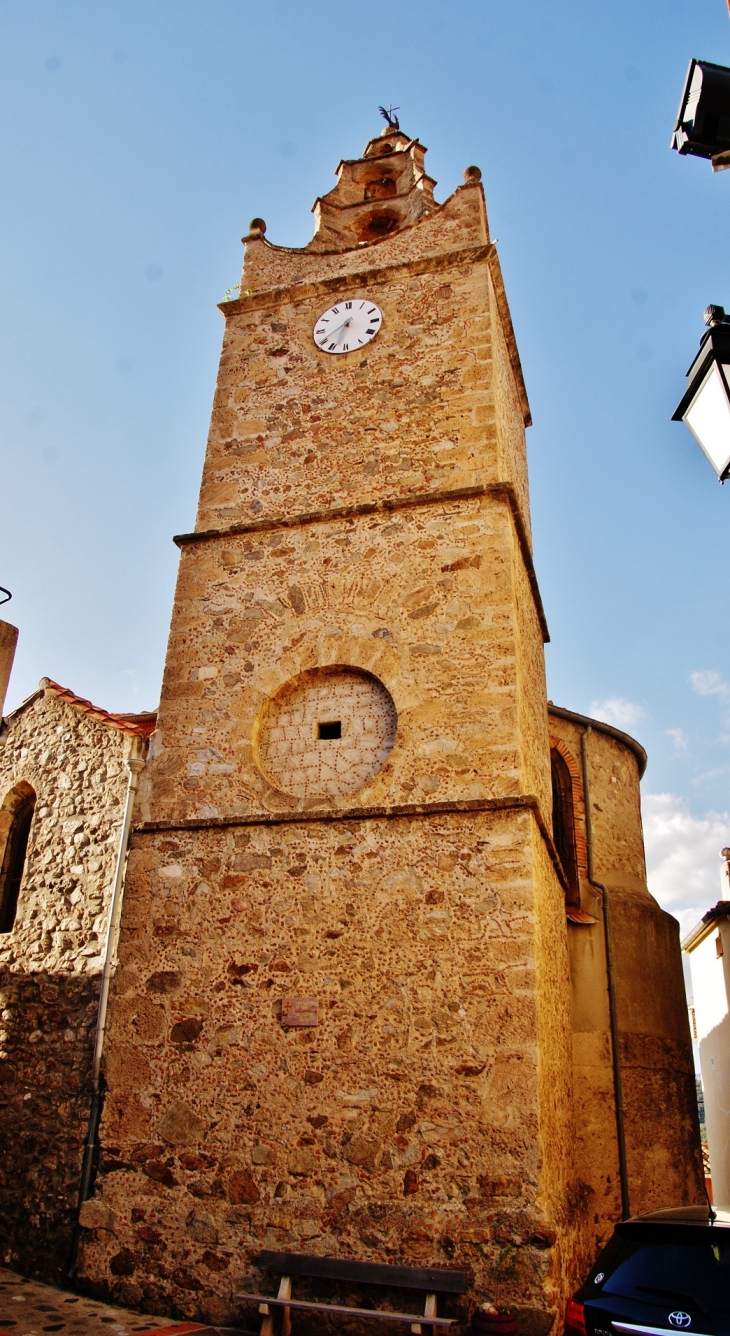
x=28 y=1308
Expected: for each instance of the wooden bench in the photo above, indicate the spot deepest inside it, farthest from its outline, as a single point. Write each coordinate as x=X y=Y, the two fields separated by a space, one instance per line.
x=430 y=1279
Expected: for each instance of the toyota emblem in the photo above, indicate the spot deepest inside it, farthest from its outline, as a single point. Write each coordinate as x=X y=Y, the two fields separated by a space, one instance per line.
x=680 y=1319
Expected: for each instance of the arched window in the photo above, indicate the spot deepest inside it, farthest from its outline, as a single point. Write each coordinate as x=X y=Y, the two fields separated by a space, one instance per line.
x=16 y=814
x=564 y=823
x=381 y=187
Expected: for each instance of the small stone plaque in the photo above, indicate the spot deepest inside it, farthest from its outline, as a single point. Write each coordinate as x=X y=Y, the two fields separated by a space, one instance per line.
x=298 y=1012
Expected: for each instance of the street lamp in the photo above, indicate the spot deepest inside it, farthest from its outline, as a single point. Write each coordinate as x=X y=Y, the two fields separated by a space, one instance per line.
x=702 y=127
x=705 y=405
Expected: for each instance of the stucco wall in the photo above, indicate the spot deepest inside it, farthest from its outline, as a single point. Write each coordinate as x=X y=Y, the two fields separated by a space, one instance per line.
x=711 y=988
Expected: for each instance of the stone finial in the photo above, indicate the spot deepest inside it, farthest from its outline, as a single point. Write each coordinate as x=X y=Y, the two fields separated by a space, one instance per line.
x=472 y=175
x=256 y=230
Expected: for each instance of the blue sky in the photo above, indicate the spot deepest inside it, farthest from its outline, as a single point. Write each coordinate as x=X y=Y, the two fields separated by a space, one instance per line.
x=138 y=139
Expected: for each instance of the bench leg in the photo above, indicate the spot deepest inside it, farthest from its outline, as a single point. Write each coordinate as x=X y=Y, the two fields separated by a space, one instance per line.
x=424 y=1328
x=267 y=1326
x=285 y=1293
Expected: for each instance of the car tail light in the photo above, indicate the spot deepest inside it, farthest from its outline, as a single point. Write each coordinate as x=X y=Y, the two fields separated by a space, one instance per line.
x=575 y=1318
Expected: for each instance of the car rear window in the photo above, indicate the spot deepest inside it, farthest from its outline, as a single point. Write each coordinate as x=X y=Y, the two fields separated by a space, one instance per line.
x=695 y=1276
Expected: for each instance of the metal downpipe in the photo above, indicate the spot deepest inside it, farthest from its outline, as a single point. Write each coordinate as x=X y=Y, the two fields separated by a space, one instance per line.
x=612 y=1011
x=135 y=764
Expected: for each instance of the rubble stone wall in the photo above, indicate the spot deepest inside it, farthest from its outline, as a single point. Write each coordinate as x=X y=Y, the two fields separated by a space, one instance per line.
x=49 y=970
x=660 y=1106
x=421 y=1118
x=357 y=512
x=411 y=413
x=460 y=221
x=404 y=1126
x=423 y=600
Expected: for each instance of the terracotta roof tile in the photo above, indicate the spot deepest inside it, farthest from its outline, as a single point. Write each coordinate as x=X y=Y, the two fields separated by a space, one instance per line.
x=139 y=725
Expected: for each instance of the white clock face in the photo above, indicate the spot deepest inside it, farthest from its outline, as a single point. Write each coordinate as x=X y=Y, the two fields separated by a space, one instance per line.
x=347 y=326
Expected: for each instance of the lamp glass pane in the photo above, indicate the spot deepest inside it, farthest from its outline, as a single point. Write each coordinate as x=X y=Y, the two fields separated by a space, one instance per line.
x=708 y=418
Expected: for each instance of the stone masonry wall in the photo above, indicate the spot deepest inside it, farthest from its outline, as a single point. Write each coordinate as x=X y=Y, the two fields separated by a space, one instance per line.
x=459 y=221
x=422 y=600
x=560 y=1197
x=427 y=1113
x=404 y=1126
x=413 y=412
x=49 y=970
x=662 y=1131
x=509 y=410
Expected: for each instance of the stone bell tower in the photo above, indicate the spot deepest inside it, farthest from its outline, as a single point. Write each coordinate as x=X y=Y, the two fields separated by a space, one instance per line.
x=341 y=1018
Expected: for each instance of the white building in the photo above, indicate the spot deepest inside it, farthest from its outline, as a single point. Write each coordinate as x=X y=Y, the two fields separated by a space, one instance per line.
x=708 y=948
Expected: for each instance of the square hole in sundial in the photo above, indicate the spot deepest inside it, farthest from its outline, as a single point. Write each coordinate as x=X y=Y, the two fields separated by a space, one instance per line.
x=331 y=728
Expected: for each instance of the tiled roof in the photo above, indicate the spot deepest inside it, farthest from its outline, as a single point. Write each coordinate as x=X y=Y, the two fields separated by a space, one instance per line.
x=139 y=725
x=704 y=927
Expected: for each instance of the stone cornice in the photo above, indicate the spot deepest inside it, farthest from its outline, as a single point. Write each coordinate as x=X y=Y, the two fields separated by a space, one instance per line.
x=502 y=491
x=413 y=811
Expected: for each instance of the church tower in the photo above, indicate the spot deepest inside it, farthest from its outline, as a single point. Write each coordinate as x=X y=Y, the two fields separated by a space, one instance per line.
x=341 y=1022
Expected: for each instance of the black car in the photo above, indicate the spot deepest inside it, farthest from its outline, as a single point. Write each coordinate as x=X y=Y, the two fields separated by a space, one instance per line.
x=660 y=1272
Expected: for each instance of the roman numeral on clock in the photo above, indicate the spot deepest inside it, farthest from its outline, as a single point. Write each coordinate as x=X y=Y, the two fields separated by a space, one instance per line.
x=356 y=320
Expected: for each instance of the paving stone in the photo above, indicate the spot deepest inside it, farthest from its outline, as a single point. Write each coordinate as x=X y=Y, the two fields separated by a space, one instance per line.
x=29 y=1308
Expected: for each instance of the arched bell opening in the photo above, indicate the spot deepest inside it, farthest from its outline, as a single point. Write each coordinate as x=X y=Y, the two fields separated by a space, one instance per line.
x=378 y=225
x=380 y=187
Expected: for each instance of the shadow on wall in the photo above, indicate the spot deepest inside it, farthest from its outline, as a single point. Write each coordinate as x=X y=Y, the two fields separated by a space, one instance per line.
x=715 y=1062
x=45 y=1083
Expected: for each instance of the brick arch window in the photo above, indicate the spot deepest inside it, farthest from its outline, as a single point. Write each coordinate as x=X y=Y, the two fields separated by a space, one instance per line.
x=16 y=815
x=564 y=823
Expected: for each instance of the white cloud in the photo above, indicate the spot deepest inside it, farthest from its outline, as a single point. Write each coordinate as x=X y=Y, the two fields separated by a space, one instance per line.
x=683 y=856
x=614 y=710
x=717 y=772
x=679 y=738
x=709 y=683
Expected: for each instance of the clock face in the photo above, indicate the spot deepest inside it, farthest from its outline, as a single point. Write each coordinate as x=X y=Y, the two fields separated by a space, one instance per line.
x=347 y=326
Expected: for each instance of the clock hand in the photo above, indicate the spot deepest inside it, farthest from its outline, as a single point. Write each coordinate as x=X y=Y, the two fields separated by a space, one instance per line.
x=335 y=333
x=343 y=327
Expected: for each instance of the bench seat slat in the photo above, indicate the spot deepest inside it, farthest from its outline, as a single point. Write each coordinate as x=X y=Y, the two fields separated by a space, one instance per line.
x=377 y=1313
x=373 y=1273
